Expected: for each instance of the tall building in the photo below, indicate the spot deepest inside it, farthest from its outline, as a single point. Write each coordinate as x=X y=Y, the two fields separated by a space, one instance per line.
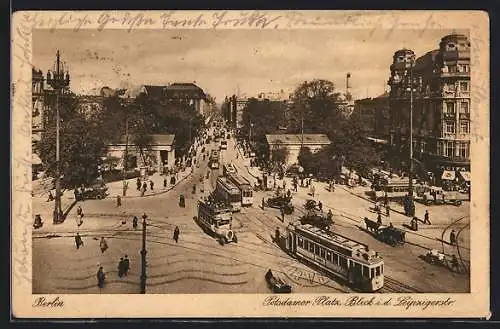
x=441 y=107
x=373 y=115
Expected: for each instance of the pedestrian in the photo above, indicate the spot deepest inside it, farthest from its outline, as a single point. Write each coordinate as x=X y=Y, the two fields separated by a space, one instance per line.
x=295 y=186
x=151 y=184
x=426 y=218
x=165 y=183
x=312 y=190
x=103 y=245
x=454 y=263
x=284 y=184
x=126 y=265
x=138 y=183
x=78 y=240
x=51 y=197
x=124 y=218
x=282 y=210
x=121 y=267
x=379 y=219
x=145 y=186
x=453 y=237
x=176 y=234
x=263 y=203
x=118 y=201
x=288 y=193
x=277 y=235
x=134 y=222
x=320 y=206
x=101 y=276
x=329 y=216
x=143 y=190
x=387 y=210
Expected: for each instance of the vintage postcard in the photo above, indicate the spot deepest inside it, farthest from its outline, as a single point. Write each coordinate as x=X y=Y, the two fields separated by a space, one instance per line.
x=250 y=164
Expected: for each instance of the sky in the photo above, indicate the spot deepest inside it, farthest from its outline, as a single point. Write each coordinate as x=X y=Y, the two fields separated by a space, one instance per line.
x=225 y=62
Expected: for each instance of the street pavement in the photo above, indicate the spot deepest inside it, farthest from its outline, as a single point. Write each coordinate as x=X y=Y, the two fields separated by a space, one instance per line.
x=199 y=264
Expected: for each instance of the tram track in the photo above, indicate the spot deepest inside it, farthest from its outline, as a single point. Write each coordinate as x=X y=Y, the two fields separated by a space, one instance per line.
x=466 y=267
x=392 y=285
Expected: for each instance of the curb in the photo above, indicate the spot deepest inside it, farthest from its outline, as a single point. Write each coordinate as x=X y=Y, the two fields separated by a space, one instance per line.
x=157 y=193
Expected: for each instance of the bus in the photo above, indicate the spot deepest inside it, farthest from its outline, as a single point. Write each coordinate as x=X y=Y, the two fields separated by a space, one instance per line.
x=223 y=145
x=337 y=255
x=228 y=192
x=396 y=189
x=214 y=160
x=216 y=219
x=245 y=188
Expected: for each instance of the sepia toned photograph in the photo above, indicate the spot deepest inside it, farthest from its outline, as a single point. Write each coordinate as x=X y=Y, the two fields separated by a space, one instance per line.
x=280 y=162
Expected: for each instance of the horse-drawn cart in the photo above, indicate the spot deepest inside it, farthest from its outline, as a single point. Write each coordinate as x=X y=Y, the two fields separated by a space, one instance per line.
x=388 y=234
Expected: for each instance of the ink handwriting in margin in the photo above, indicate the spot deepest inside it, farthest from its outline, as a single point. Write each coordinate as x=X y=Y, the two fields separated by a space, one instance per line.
x=480 y=83
x=21 y=206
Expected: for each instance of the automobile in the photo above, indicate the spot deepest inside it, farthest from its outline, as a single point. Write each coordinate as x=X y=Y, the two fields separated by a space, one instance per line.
x=96 y=191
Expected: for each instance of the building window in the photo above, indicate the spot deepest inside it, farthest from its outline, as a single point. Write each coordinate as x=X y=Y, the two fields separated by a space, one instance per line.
x=452 y=68
x=450 y=150
x=449 y=127
x=464 y=107
x=464 y=127
x=464 y=86
x=463 y=150
x=450 y=108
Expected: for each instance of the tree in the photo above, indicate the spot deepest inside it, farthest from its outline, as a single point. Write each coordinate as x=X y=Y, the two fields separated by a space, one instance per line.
x=315 y=102
x=279 y=154
x=81 y=145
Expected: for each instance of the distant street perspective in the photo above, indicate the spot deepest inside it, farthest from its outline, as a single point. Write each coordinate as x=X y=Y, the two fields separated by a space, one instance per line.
x=313 y=187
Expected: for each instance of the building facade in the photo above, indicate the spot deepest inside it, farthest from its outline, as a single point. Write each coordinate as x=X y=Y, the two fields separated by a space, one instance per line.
x=159 y=154
x=294 y=142
x=441 y=106
x=373 y=116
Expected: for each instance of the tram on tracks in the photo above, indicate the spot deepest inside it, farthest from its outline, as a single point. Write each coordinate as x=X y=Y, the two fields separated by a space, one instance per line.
x=337 y=255
x=214 y=160
x=245 y=188
x=228 y=192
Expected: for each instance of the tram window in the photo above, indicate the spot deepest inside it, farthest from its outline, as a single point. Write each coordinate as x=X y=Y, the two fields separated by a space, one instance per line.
x=322 y=253
x=316 y=249
x=311 y=247
x=336 y=259
x=382 y=269
x=342 y=261
x=377 y=270
x=372 y=270
x=300 y=242
x=306 y=244
x=329 y=256
x=366 y=272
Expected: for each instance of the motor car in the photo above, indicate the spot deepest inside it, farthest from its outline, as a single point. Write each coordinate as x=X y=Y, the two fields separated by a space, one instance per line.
x=96 y=191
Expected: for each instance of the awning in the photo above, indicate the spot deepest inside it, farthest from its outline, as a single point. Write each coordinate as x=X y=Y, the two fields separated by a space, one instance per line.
x=449 y=175
x=35 y=159
x=465 y=175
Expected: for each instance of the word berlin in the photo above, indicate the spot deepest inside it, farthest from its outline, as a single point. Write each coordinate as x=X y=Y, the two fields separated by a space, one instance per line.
x=404 y=302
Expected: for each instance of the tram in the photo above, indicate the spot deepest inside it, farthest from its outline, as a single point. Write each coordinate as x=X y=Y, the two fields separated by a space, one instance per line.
x=245 y=188
x=337 y=255
x=228 y=192
x=214 y=160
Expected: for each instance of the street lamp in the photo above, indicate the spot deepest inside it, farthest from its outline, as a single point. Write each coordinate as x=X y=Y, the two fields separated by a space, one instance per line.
x=58 y=80
x=143 y=255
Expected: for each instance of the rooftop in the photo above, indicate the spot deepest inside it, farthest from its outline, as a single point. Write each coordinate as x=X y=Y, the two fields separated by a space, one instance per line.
x=294 y=139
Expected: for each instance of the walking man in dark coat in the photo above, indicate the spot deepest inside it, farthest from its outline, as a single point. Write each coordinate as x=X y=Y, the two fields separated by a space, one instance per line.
x=263 y=204
x=126 y=265
x=78 y=240
x=121 y=267
x=379 y=219
x=151 y=185
x=426 y=218
x=453 y=237
x=101 y=276
x=138 y=182
x=134 y=222
x=176 y=234
x=320 y=206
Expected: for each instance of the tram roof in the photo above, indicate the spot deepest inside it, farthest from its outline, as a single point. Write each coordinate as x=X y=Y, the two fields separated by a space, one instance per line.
x=226 y=183
x=238 y=179
x=359 y=250
x=216 y=207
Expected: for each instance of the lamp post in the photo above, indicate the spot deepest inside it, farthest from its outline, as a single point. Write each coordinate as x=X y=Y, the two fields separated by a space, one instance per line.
x=58 y=80
x=143 y=255
x=412 y=83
